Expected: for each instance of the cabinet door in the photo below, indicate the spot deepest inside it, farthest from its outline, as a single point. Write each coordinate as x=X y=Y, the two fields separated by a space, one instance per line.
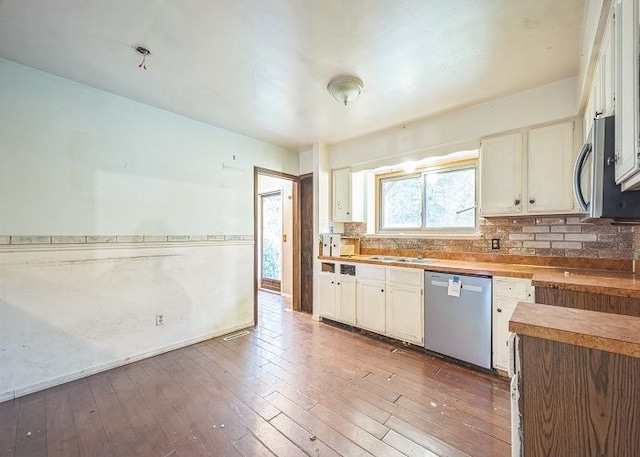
x=404 y=313
x=596 y=92
x=327 y=295
x=501 y=175
x=626 y=23
x=502 y=310
x=550 y=169
x=346 y=299
x=342 y=194
x=607 y=69
x=370 y=309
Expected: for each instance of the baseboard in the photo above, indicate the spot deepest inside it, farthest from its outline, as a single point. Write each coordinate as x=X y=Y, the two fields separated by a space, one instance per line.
x=10 y=395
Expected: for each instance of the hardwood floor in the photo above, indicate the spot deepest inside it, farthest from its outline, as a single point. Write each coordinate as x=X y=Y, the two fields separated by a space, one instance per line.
x=291 y=387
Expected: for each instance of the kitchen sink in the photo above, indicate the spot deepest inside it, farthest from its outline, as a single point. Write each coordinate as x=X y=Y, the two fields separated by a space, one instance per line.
x=387 y=258
x=416 y=260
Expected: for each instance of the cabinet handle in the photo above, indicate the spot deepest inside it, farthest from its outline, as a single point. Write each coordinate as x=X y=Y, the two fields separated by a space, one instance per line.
x=517 y=202
x=332 y=282
x=347 y=213
x=499 y=310
x=338 y=283
x=532 y=201
x=612 y=160
x=381 y=290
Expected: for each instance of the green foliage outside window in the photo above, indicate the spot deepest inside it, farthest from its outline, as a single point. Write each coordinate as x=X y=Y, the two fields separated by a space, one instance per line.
x=432 y=200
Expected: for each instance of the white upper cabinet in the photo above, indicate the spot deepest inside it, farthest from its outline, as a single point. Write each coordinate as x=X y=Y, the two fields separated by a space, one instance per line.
x=549 y=169
x=626 y=108
x=607 y=69
x=348 y=196
x=546 y=162
x=342 y=194
x=602 y=95
x=501 y=175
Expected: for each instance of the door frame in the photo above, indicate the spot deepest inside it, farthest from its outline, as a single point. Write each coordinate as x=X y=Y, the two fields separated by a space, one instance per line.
x=296 y=236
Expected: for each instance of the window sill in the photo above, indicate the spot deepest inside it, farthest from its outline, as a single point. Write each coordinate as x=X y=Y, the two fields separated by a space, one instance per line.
x=422 y=235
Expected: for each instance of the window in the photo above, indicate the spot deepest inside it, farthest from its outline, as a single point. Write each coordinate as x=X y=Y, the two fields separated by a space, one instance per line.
x=437 y=199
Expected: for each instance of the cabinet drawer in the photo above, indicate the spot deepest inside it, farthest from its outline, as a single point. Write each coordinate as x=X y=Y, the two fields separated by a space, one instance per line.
x=371 y=272
x=409 y=276
x=511 y=288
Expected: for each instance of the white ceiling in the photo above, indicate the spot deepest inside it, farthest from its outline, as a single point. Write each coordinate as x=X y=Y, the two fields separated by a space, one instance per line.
x=260 y=67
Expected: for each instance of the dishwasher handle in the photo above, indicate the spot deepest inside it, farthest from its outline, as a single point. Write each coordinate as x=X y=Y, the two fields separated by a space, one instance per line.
x=467 y=287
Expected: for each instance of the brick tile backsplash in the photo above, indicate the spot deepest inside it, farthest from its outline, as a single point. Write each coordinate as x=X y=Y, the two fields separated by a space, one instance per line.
x=555 y=236
x=536 y=244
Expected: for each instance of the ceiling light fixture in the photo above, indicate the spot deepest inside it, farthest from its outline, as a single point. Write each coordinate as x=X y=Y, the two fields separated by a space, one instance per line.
x=345 y=88
x=145 y=52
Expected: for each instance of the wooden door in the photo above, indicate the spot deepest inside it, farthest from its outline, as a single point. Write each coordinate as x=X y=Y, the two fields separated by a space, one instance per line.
x=307 y=245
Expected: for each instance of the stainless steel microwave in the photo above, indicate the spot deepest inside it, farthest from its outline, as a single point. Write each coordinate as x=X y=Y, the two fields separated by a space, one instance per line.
x=594 y=182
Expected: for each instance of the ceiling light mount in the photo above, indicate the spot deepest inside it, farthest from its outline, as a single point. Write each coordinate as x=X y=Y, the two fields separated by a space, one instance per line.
x=144 y=52
x=345 y=88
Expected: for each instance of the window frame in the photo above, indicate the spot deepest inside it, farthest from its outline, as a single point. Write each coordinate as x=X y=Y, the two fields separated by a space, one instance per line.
x=422 y=172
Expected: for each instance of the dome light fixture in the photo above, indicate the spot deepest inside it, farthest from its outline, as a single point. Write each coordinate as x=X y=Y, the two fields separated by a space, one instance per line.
x=345 y=88
x=145 y=53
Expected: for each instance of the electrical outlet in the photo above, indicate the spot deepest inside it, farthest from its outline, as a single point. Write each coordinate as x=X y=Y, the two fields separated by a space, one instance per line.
x=159 y=319
x=495 y=243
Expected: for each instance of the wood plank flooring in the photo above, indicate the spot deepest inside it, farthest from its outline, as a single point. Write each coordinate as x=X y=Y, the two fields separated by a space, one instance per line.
x=292 y=387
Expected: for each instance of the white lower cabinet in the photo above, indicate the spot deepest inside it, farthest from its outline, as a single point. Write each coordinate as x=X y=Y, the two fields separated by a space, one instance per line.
x=404 y=313
x=327 y=295
x=337 y=295
x=371 y=305
x=507 y=292
x=385 y=300
x=405 y=306
x=502 y=311
x=389 y=301
x=346 y=299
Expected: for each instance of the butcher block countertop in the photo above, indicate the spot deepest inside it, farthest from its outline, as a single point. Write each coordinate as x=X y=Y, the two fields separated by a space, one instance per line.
x=607 y=282
x=621 y=284
x=602 y=331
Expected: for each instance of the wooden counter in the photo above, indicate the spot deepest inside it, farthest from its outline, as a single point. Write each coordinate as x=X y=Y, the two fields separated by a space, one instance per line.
x=457 y=266
x=603 y=331
x=621 y=284
x=605 y=282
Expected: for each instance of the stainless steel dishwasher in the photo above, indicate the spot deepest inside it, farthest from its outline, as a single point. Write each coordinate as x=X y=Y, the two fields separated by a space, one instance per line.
x=458 y=326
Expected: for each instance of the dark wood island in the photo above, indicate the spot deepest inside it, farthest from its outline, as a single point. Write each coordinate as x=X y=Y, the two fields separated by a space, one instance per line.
x=579 y=381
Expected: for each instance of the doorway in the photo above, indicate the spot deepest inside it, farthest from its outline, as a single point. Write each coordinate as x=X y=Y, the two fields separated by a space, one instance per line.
x=272 y=239
x=276 y=232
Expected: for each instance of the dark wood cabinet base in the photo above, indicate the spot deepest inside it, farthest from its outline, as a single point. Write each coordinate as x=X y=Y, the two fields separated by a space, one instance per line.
x=577 y=401
x=588 y=301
